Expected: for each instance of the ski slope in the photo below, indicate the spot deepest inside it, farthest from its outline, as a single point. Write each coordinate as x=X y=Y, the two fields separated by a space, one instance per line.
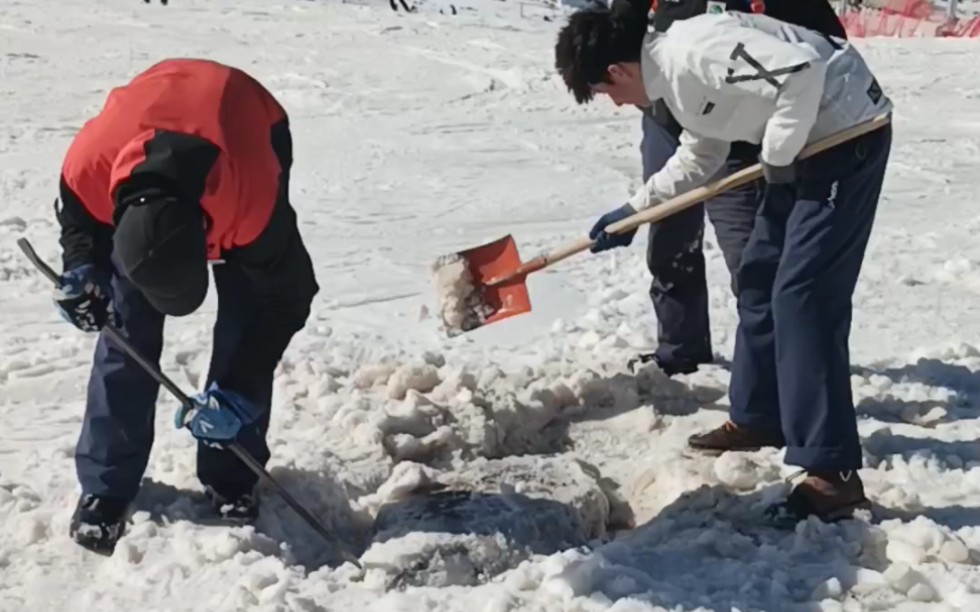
x=418 y=135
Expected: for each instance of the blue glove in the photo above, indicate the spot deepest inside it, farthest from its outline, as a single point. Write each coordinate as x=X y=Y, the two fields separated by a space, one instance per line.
x=217 y=415
x=84 y=298
x=604 y=241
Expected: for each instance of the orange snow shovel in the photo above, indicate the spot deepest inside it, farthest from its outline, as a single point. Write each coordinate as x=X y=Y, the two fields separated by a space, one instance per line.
x=494 y=288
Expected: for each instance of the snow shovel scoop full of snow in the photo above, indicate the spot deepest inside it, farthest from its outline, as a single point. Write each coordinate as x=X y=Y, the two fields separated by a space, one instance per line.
x=187 y=406
x=486 y=284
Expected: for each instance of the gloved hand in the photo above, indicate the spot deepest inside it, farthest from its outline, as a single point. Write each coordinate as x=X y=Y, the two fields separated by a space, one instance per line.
x=216 y=416
x=778 y=175
x=84 y=298
x=604 y=241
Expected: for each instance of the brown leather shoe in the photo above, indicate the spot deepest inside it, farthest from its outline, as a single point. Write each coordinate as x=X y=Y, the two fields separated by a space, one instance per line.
x=731 y=437
x=829 y=495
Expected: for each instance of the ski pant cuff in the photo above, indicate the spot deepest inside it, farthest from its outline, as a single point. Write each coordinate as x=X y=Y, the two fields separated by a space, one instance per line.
x=759 y=421
x=824 y=457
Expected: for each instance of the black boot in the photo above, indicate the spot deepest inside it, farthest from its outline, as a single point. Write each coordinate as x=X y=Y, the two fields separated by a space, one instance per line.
x=98 y=522
x=238 y=508
x=669 y=369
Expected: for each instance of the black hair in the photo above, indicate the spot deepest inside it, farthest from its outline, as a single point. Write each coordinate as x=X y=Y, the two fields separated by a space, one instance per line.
x=595 y=38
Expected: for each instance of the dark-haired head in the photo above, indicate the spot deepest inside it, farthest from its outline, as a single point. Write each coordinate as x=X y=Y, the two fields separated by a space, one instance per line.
x=601 y=47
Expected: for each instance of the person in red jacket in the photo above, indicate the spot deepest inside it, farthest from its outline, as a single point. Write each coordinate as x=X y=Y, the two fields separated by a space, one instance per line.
x=187 y=164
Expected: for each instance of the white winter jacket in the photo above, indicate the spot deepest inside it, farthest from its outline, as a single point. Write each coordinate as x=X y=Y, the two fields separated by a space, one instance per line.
x=745 y=77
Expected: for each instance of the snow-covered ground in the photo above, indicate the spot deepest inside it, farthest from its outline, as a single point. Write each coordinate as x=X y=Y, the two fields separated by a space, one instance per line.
x=418 y=135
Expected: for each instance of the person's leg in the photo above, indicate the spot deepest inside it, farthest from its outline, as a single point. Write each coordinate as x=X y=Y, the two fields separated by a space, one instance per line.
x=754 y=414
x=220 y=470
x=678 y=289
x=827 y=236
x=733 y=216
x=117 y=429
x=229 y=481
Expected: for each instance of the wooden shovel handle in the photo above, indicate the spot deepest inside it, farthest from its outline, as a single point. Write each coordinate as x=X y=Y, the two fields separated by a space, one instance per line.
x=686 y=200
x=742 y=177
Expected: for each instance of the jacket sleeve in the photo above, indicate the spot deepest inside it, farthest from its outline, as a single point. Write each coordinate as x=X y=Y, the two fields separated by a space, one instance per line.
x=282 y=284
x=84 y=240
x=695 y=161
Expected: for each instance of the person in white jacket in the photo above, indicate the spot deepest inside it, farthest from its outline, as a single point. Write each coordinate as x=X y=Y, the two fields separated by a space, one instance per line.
x=740 y=77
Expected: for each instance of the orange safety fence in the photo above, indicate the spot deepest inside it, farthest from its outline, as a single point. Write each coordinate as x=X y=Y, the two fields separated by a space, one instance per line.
x=908 y=18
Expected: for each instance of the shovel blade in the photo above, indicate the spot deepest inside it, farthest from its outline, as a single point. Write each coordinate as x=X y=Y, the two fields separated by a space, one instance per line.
x=494 y=260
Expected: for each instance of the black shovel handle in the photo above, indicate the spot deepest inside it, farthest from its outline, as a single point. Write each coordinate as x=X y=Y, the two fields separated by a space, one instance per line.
x=114 y=334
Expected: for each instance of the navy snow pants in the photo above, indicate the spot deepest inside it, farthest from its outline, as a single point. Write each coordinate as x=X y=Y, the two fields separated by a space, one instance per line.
x=679 y=289
x=796 y=281
x=117 y=432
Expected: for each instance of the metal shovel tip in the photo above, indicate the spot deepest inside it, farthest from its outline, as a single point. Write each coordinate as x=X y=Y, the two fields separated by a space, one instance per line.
x=461 y=307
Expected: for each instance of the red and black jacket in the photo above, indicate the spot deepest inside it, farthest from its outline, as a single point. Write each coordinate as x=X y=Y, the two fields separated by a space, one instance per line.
x=195 y=127
x=212 y=136
x=815 y=15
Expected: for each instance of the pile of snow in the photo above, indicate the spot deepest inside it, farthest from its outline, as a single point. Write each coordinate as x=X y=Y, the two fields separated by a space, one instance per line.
x=439 y=413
